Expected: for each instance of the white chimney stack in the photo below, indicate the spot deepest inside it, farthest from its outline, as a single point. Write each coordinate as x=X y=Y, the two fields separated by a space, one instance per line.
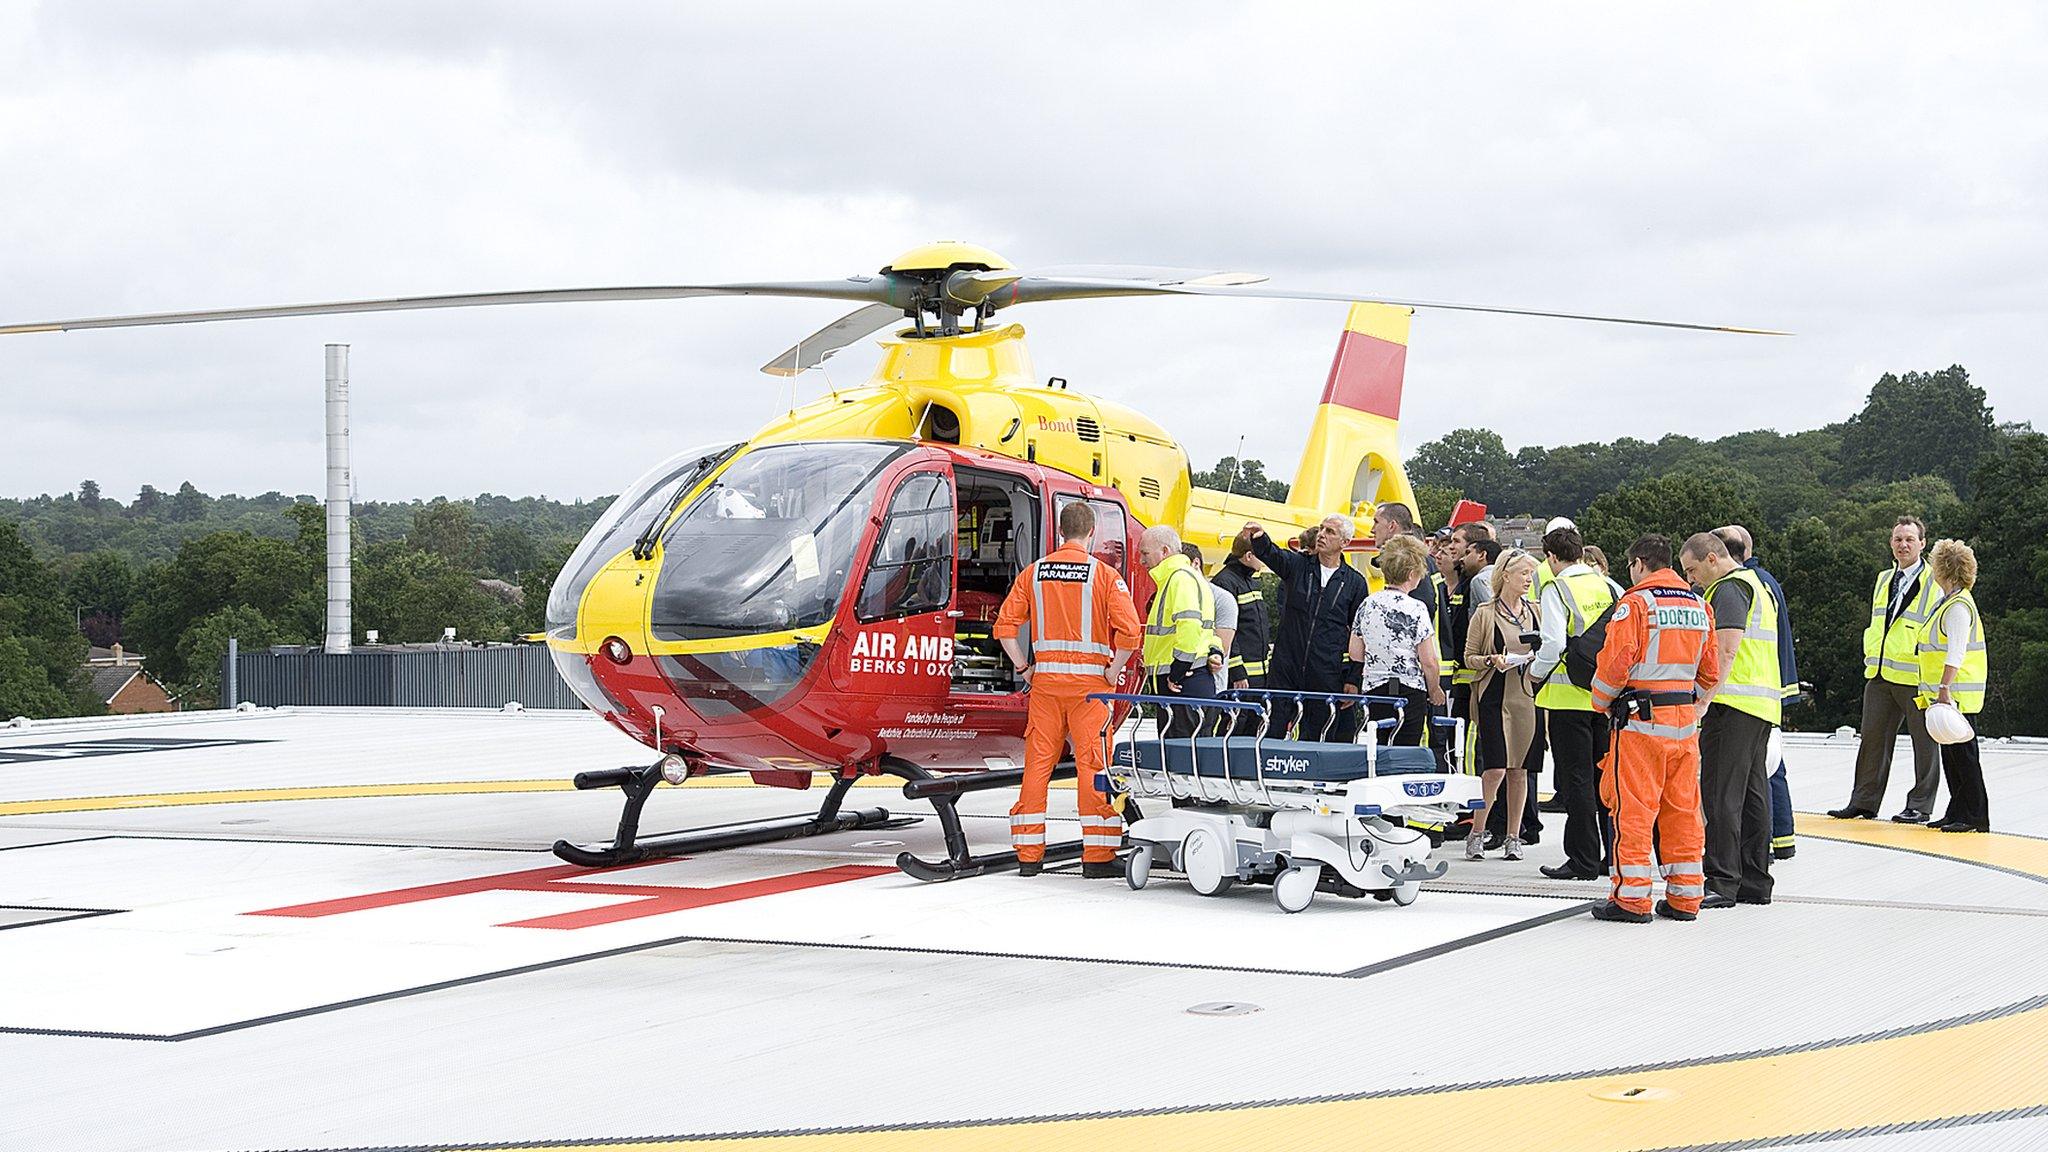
x=339 y=627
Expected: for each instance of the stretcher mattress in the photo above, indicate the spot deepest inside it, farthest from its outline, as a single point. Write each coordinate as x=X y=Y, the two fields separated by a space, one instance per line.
x=1286 y=761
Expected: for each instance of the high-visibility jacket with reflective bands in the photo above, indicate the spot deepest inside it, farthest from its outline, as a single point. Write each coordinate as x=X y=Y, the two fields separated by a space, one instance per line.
x=1079 y=611
x=1754 y=683
x=1181 y=624
x=1249 y=647
x=1585 y=595
x=1660 y=639
x=1968 y=690
x=1894 y=652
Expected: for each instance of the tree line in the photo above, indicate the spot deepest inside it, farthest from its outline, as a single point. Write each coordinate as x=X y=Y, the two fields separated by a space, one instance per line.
x=173 y=577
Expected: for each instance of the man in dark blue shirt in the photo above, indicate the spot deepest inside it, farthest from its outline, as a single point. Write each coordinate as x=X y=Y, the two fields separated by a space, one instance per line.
x=1312 y=648
x=1740 y=546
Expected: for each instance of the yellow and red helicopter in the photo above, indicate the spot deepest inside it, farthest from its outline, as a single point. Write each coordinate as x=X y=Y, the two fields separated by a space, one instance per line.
x=817 y=599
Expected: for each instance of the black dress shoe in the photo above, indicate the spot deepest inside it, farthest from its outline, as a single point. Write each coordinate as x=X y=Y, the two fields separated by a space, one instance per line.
x=1785 y=853
x=1618 y=914
x=1852 y=813
x=1090 y=870
x=1752 y=899
x=1910 y=816
x=1551 y=806
x=1959 y=826
x=1494 y=840
x=1716 y=900
x=1030 y=867
x=1665 y=910
x=1567 y=872
x=1535 y=837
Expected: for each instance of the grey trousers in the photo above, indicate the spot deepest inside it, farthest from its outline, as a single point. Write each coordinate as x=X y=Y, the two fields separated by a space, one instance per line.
x=1735 y=798
x=1884 y=705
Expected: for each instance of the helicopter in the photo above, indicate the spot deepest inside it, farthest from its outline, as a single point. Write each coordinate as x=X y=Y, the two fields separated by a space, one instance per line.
x=818 y=599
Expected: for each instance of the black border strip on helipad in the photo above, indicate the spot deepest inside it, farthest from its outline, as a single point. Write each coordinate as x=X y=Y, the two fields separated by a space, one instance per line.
x=2016 y=1008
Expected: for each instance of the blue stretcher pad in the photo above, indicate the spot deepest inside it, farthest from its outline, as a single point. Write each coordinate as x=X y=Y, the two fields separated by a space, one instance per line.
x=1286 y=761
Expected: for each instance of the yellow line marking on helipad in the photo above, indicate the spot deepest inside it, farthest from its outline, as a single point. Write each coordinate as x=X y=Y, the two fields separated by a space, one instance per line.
x=1961 y=1071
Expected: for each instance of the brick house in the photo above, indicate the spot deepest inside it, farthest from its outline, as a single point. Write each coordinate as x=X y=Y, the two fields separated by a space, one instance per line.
x=119 y=682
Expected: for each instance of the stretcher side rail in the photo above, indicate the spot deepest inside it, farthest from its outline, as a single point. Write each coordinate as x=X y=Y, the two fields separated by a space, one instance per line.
x=1229 y=709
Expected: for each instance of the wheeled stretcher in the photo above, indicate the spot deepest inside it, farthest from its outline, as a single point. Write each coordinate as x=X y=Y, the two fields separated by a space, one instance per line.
x=1301 y=815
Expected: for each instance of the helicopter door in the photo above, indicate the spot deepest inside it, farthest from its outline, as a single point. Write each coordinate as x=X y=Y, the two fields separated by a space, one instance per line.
x=903 y=628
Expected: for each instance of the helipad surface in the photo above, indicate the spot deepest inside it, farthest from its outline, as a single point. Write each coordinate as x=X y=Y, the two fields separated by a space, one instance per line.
x=330 y=929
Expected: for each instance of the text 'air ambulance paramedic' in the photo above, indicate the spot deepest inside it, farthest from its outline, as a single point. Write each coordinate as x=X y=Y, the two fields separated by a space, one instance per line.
x=1180 y=629
x=1312 y=648
x=1736 y=723
x=1083 y=630
x=1657 y=660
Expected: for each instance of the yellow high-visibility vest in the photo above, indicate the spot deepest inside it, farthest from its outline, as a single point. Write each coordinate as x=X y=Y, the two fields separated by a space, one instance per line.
x=1968 y=690
x=1894 y=652
x=1754 y=682
x=1586 y=595
x=1182 y=622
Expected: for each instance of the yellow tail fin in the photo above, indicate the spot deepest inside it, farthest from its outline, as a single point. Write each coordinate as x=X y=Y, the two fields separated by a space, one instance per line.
x=1353 y=459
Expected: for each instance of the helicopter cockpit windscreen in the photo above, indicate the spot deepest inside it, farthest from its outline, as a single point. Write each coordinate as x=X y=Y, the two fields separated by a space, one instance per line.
x=769 y=545
x=637 y=509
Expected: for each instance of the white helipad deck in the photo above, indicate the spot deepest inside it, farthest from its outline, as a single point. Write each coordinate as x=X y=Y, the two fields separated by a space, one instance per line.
x=343 y=930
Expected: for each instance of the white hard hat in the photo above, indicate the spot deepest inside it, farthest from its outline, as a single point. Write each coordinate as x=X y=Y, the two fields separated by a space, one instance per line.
x=1774 y=752
x=1557 y=522
x=1948 y=725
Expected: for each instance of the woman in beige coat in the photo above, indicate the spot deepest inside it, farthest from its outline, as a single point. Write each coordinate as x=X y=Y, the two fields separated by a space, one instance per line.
x=1503 y=717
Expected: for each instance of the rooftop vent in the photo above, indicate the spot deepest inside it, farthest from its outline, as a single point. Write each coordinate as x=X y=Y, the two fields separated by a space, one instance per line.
x=1148 y=488
x=1086 y=428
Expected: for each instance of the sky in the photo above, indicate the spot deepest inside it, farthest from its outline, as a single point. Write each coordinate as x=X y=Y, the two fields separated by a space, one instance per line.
x=1871 y=176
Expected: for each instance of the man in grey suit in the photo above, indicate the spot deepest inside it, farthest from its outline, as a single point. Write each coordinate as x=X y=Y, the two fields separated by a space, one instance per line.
x=1900 y=604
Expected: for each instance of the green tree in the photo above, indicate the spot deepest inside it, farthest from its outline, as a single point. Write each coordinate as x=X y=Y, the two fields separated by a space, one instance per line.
x=1922 y=423
x=1676 y=505
x=410 y=596
x=1471 y=461
x=224 y=570
x=203 y=647
x=1242 y=478
x=448 y=531
x=189 y=504
x=1434 y=504
x=89 y=495
x=103 y=582
x=42 y=655
x=508 y=552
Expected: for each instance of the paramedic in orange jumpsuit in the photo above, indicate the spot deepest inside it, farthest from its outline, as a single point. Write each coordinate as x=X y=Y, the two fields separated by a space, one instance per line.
x=1084 y=629
x=1660 y=643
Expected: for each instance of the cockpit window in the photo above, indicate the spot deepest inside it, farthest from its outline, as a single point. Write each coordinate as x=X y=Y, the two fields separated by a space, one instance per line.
x=768 y=546
x=637 y=508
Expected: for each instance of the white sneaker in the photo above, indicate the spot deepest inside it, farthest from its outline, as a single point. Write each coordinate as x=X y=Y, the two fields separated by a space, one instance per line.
x=1512 y=850
x=1475 y=846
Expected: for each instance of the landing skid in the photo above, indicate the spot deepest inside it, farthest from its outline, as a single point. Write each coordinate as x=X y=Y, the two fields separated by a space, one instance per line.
x=942 y=792
x=628 y=846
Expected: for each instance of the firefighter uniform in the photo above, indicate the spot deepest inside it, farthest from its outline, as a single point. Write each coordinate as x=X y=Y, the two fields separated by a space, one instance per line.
x=1660 y=641
x=1180 y=631
x=1078 y=611
x=1248 y=649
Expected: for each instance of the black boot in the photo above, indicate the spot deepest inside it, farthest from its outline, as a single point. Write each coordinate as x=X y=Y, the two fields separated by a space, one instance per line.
x=1618 y=914
x=1030 y=867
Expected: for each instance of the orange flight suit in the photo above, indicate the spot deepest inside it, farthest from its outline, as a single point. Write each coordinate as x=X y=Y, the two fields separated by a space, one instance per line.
x=1079 y=610
x=1661 y=640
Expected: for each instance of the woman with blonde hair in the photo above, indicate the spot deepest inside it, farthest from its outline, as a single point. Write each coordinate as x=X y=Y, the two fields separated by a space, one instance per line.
x=1503 y=717
x=1952 y=672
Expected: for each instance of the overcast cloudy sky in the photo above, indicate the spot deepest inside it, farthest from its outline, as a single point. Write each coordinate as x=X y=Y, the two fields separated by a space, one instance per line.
x=1874 y=177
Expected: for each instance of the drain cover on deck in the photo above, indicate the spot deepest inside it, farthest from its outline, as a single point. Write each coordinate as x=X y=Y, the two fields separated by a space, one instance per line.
x=1223 y=1008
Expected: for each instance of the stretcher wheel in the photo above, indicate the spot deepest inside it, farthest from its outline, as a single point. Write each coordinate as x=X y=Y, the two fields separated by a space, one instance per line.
x=1404 y=893
x=1138 y=867
x=1201 y=857
x=1294 y=888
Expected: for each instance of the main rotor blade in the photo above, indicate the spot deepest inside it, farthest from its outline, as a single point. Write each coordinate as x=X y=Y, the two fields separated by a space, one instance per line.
x=1033 y=289
x=854 y=288
x=819 y=346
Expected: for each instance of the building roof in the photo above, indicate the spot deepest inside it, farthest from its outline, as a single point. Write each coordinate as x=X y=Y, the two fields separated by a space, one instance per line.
x=108 y=682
